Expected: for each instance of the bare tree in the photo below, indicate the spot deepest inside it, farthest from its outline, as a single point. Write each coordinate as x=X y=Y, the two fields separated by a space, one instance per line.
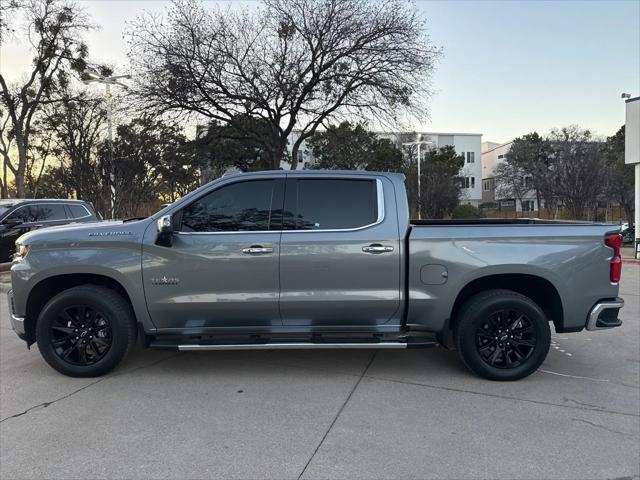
x=76 y=125
x=293 y=63
x=54 y=29
x=580 y=169
x=531 y=155
x=621 y=177
x=511 y=182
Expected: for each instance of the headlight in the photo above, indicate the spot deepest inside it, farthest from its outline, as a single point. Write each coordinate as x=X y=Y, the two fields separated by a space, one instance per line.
x=22 y=251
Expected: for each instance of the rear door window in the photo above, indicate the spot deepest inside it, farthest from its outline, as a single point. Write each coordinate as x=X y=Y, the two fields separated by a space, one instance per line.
x=77 y=211
x=48 y=212
x=330 y=204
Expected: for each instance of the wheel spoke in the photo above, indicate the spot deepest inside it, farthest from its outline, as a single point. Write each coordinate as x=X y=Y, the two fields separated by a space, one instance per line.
x=82 y=353
x=61 y=341
x=516 y=321
x=68 y=318
x=486 y=333
x=487 y=346
x=61 y=328
x=523 y=342
x=507 y=358
x=100 y=341
x=494 y=356
x=518 y=355
x=94 y=349
x=525 y=329
x=494 y=320
x=68 y=351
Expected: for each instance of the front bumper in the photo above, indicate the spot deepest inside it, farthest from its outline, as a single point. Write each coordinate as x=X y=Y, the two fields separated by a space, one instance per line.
x=604 y=314
x=17 y=323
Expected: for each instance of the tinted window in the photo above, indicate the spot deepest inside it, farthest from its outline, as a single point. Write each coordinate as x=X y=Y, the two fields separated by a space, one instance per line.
x=23 y=214
x=47 y=212
x=241 y=206
x=323 y=204
x=77 y=211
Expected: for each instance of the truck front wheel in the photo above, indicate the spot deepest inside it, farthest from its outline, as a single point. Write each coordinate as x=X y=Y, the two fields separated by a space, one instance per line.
x=85 y=331
x=502 y=335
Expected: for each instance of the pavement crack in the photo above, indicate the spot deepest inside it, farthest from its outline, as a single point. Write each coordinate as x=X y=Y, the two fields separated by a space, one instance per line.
x=598 y=407
x=335 y=419
x=48 y=404
x=624 y=434
x=504 y=397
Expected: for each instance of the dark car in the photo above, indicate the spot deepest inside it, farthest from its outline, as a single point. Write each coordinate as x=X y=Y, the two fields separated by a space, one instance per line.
x=18 y=216
x=628 y=234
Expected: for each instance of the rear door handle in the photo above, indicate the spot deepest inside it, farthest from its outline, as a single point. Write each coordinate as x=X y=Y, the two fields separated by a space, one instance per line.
x=257 y=250
x=377 y=248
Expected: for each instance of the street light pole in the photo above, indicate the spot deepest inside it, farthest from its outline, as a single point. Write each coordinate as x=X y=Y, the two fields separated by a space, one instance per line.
x=418 y=143
x=94 y=76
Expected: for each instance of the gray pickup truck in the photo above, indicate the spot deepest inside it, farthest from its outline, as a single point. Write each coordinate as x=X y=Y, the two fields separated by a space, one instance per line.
x=275 y=260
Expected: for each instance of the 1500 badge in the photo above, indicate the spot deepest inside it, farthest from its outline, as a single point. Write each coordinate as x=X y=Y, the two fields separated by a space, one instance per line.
x=165 y=281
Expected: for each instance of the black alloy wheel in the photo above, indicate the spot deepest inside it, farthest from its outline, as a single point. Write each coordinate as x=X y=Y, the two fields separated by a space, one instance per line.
x=502 y=335
x=81 y=335
x=507 y=339
x=85 y=331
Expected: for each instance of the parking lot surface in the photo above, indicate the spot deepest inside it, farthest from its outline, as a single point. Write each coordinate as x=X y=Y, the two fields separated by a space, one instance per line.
x=328 y=414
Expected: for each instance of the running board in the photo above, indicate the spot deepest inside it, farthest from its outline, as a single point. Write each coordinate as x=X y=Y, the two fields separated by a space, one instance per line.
x=190 y=347
x=290 y=346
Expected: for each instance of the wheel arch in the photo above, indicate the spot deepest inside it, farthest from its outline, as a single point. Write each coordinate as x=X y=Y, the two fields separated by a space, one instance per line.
x=47 y=288
x=537 y=288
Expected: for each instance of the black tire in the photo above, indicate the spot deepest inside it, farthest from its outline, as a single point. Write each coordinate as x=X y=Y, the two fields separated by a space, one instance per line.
x=85 y=331
x=502 y=335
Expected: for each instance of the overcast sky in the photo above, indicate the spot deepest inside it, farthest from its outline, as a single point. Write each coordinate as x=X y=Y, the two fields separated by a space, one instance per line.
x=508 y=68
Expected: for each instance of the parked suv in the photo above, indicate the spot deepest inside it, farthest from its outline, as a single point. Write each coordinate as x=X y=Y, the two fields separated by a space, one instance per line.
x=18 y=216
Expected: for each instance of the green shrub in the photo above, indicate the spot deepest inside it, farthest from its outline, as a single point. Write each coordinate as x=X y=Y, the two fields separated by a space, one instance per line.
x=466 y=211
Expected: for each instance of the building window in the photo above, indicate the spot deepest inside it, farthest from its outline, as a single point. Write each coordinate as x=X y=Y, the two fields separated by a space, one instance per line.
x=471 y=157
x=488 y=185
x=468 y=182
x=500 y=156
x=528 y=205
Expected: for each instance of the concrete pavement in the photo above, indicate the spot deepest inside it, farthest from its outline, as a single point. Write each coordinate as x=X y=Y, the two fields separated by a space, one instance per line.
x=328 y=414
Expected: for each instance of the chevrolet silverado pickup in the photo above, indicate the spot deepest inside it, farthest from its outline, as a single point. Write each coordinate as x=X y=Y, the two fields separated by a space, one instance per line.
x=311 y=259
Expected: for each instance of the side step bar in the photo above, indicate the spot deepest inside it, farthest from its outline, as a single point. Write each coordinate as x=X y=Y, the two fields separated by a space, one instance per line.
x=191 y=347
x=290 y=346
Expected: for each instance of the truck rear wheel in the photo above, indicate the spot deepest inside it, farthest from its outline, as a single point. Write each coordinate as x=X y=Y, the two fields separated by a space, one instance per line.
x=502 y=335
x=85 y=331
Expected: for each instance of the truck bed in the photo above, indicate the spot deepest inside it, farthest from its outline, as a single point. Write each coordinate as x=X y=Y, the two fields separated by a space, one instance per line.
x=447 y=255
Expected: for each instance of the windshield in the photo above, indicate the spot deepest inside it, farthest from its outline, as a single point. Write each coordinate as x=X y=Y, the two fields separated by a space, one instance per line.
x=4 y=209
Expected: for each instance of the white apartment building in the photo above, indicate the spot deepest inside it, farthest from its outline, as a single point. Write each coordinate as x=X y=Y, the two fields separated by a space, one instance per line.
x=493 y=154
x=466 y=144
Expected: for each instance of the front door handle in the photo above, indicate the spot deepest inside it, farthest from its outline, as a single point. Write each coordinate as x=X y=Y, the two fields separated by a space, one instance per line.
x=377 y=248
x=257 y=250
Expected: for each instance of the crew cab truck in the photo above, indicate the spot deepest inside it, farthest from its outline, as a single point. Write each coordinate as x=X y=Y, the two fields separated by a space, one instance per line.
x=311 y=259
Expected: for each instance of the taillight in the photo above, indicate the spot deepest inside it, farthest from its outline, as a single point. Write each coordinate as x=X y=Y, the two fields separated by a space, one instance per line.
x=614 y=240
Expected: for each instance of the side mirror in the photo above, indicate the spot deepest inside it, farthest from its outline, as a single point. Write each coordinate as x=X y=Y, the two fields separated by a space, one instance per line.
x=165 y=231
